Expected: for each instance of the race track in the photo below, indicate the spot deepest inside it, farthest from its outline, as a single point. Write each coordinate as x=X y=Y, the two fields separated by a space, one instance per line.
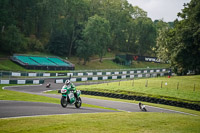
x=21 y=108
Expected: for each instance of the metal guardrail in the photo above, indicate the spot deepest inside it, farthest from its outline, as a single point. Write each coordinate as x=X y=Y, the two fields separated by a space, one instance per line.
x=112 y=70
x=82 y=76
x=9 y=74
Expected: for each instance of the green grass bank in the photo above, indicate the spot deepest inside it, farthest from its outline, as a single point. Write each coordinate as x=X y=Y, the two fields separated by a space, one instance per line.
x=104 y=122
x=177 y=88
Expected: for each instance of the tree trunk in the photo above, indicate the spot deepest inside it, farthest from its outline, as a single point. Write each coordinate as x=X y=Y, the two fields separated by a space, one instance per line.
x=79 y=61
x=73 y=39
x=101 y=59
x=2 y=30
x=84 y=62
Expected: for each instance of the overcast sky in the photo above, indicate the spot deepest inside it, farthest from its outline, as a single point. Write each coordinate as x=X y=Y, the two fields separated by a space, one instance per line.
x=160 y=9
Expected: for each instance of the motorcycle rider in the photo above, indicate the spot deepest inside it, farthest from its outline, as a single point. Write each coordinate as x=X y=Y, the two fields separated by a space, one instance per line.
x=70 y=85
x=142 y=106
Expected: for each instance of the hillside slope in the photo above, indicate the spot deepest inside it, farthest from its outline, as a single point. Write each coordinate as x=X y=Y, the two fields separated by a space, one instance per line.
x=7 y=65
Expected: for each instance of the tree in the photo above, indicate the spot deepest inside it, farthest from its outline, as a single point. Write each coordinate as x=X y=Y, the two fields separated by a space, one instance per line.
x=12 y=40
x=76 y=16
x=97 y=34
x=58 y=43
x=180 y=45
x=84 y=51
x=145 y=36
x=41 y=21
x=165 y=41
x=188 y=35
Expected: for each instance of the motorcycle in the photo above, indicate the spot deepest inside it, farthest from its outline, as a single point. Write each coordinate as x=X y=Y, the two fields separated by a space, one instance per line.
x=142 y=107
x=69 y=98
x=48 y=85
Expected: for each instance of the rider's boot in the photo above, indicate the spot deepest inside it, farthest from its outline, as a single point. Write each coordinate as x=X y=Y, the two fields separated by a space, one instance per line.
x=75 y=95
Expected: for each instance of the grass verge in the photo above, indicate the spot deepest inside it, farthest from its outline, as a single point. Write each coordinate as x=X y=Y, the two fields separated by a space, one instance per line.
x=20 y=96
x=104 y=122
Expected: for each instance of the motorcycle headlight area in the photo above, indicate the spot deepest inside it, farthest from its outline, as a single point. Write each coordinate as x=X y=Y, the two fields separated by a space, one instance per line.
x=63 y=90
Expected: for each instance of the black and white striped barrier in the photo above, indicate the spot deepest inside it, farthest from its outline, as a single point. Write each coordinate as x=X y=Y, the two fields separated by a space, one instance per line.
x=129 y=76
x=21 y=81
x=89 y=73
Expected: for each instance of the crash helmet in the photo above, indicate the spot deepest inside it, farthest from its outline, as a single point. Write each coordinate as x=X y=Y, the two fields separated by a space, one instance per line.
x=67 y=82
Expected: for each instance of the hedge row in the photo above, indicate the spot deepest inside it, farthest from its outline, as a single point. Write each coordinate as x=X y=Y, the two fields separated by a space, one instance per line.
x=145 y=99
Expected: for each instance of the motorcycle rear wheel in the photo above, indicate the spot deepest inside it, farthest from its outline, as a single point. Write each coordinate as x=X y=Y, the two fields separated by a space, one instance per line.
x=78 y=103
x=144 y=109
x=63 y=102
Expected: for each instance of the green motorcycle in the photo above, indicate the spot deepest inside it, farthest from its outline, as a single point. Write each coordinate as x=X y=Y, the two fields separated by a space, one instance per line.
x=69 y=98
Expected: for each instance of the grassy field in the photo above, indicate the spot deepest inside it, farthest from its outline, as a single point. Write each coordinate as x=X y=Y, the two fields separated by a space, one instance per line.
x=104 y=123
x=8 y=65
x=184 y=88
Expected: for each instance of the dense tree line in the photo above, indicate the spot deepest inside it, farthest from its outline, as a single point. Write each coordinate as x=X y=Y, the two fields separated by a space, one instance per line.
x=90 y=27
x=78 y=27
x=181 y=45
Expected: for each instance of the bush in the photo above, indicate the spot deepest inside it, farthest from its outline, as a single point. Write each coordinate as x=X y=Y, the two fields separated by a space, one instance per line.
x=34 y=44
x=119 y=60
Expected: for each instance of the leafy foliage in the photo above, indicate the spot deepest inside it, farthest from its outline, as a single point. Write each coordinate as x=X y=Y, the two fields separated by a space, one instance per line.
x=180 y=45
x=76 y=27
x=12 y=40
x=119 y=60
x=97 y=35
x=58 y=43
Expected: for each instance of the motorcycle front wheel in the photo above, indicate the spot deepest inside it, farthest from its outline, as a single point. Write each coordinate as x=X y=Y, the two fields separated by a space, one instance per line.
x=63 y=102
x=78 y=103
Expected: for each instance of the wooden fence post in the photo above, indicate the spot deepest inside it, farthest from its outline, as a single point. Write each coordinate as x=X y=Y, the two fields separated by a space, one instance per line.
x=146 y=83
x=133 y=82
x=177 y=85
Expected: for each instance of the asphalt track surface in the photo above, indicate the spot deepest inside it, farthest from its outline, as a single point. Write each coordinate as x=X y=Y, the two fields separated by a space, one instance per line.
x=22 y=109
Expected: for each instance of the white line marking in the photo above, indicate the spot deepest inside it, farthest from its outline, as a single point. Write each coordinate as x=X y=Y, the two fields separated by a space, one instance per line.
x=172 y=110
x=50 y=115
x=47 y=91
x=19 y=86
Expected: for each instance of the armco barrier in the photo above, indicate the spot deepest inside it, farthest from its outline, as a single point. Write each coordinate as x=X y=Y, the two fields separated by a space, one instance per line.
x=83 y=73
x=102 y=77
x=35 y=81
x=145 y=99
